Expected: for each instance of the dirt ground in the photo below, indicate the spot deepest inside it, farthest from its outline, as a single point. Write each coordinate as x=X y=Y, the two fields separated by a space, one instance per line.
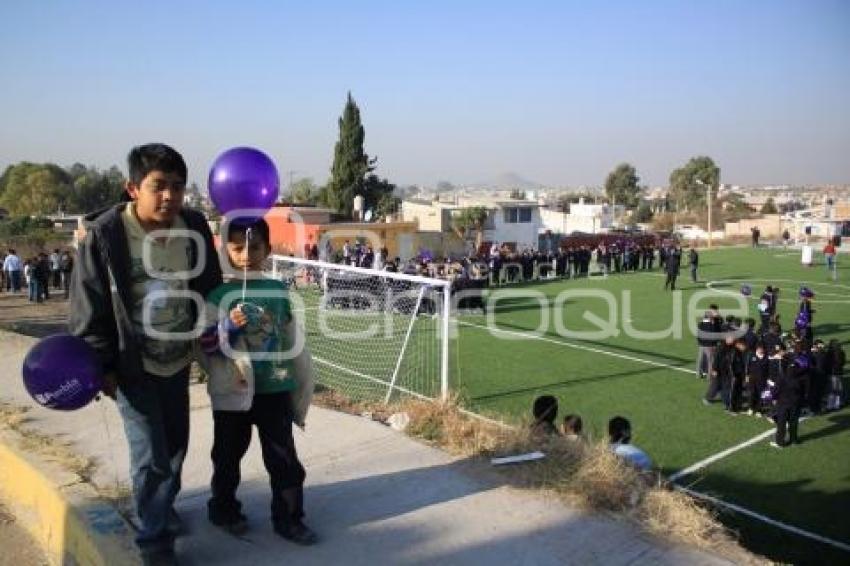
x=34 y=319
x=19 y=315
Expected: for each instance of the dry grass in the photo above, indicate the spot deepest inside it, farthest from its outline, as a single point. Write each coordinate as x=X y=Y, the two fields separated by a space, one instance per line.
x=13 y=417
x=586 y=474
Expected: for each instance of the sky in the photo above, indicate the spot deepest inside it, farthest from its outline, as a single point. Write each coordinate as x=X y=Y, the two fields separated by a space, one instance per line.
x=558 y=92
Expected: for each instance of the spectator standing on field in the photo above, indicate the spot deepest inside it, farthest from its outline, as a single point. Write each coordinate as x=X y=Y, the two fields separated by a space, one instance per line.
x=671 y=267
x=693 y=260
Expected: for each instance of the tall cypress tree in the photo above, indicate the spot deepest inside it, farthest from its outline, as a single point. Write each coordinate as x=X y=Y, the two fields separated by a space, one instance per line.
x=351 y=164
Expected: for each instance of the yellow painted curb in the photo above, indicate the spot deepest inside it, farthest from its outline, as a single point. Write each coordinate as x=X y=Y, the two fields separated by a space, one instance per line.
x=63 y=513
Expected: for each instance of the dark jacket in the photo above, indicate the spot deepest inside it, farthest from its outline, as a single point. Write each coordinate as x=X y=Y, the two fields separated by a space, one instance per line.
x=100 y=299
x=757 y=370
x=708 y=332
x=674 y=261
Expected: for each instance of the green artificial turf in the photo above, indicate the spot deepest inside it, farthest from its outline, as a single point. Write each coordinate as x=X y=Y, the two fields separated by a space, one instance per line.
x=500 y=373
x=522 y=348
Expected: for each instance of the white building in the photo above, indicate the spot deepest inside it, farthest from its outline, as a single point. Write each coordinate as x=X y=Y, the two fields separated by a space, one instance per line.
x=582 y=217
x=513 y=223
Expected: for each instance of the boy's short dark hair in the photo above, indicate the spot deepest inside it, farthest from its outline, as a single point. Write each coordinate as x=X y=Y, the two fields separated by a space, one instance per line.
x=619 y=430
x=572 y=424
x=545 y=408
x=143 y=159
x=259 y=229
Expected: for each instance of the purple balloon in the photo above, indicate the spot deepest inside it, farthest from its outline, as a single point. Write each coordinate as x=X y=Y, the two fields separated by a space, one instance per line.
x=62 y=372
x=243 y=178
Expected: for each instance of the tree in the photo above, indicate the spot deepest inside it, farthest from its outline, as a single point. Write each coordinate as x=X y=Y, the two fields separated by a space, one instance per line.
x=388 y=205
x=621 y=186
x=375 y=190
x=470 y=219
x=34 y=189
x=92 y=189
x=686 y=192
x=305 y=191
x=769 y=207
x=643 y=213
x=351 y=163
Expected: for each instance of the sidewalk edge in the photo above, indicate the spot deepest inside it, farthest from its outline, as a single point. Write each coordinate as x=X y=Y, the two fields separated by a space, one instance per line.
x=65 y=515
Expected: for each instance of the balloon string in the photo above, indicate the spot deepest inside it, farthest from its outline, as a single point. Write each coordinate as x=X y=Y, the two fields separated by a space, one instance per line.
x=245 y=268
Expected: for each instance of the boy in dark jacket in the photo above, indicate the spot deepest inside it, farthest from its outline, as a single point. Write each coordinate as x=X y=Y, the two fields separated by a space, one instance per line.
x=756 y=378
x=790 y=392
x=141 y=275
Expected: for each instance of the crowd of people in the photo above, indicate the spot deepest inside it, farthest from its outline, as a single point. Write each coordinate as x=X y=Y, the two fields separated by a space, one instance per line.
x=37 y=273
x=501 y=265
x=767 y=372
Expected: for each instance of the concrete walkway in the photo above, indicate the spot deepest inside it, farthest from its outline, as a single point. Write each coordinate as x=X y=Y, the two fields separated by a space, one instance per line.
x=374 y=495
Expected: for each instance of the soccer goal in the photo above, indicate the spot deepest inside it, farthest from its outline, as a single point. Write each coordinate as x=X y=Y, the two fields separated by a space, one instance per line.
x=372 y=334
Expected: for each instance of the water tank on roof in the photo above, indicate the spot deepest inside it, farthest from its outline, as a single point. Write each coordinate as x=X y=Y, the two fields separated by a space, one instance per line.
x=358 y=207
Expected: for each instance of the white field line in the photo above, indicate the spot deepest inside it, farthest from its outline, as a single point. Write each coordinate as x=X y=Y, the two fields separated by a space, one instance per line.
x=578 y=347
x=764 y=519
x=724 y=453
x=700 y=464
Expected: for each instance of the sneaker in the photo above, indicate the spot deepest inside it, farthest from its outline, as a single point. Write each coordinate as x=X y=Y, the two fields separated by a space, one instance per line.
x=750 y=412
x=297 y=532
x=706 y=402
x=775 y=445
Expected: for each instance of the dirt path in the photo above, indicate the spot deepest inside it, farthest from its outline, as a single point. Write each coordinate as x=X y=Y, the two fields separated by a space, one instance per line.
x=17 y=314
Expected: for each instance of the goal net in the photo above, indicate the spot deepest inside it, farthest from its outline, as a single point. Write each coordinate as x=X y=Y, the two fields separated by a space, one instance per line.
x=373 y=335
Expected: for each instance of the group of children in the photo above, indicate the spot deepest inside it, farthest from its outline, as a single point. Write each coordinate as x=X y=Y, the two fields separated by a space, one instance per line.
x=768 y=373
x=258 y=373
x=544 y=413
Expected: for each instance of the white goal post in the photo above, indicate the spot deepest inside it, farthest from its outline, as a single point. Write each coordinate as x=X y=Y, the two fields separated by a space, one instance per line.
x=371 y=333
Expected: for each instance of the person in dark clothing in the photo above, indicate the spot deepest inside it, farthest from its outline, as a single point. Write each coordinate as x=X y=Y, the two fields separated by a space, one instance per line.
x=750 y=336
x=42 y=276
x=772 y=338
x=757 y=367
x=739 y=375
x=764 y=308
x=790 y=392
x=66 y=266
x=819 y=376
x=693 y=261
x=707 y=335
x=720 y=380
x=147 y=374
x=671 y=267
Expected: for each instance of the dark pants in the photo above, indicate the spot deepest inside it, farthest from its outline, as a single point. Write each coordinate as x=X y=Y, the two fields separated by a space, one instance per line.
x=155 y=411
x=66 y=283
x=14 y=281
x=715 y=385
x=57 y=283
x=43 y=289
x=787 y=416
x=754 y=389
x=671 y=281
x=694 y=273
x=735 y=394
x=272 y=414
